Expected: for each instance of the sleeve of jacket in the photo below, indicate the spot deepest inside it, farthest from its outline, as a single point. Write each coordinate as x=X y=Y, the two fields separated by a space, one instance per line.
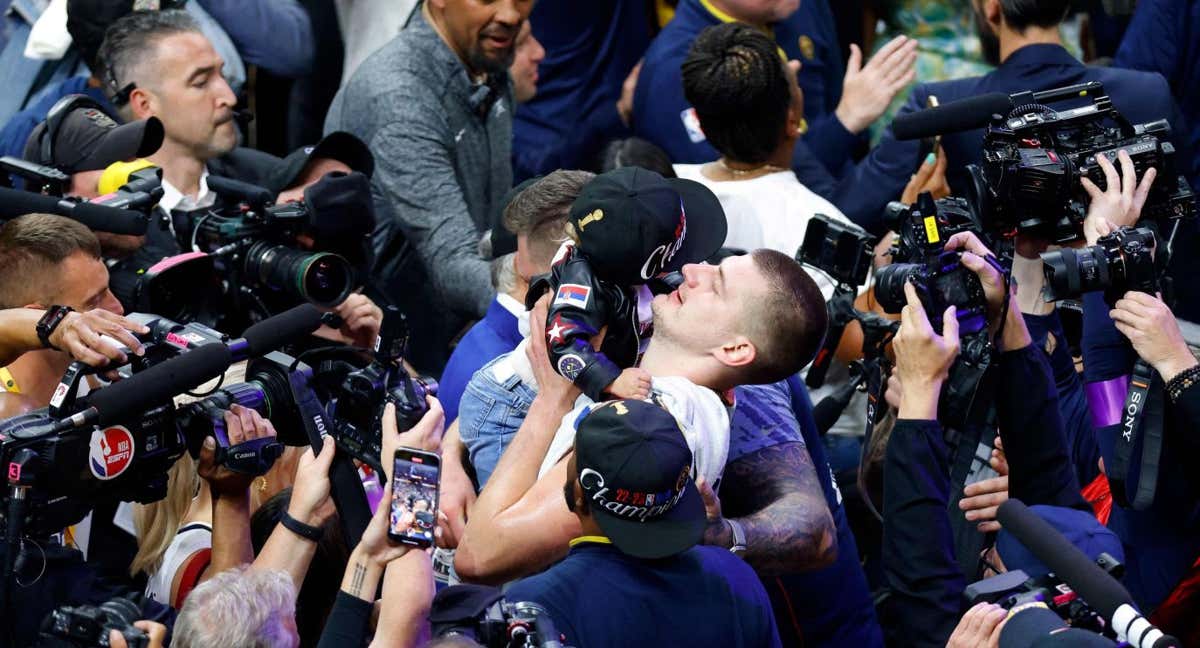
x=428 y=205
x=574 y=150
x=347 y=623
x=1106 y=353
x=831 y=143
x=918 y=543
x=578 y=310
x=880 y=177
x=1151 y=40
x=1040 y=471
x=275 y=35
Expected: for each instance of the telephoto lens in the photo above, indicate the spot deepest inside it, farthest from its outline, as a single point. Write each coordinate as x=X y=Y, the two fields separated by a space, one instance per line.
x=321 y=278
x=1119 y=262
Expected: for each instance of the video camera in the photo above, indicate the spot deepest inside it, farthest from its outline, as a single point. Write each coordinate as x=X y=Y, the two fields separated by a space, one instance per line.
x=502 y=624
x=88 y=626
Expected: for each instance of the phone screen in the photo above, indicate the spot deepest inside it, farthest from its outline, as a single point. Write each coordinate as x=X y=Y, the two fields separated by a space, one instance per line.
x=413 y=517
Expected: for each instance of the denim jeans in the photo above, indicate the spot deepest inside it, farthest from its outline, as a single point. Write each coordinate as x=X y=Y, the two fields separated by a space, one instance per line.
x=492 y=408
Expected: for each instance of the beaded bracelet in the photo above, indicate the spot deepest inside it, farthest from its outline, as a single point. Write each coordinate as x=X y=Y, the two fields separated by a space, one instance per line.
x=1182 y=382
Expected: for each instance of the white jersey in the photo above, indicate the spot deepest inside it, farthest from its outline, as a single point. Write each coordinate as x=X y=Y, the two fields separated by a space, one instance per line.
x=193 y=537
x=701 y=415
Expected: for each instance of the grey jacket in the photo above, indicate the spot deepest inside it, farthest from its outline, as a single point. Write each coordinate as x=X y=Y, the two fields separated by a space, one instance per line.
x=442 y=165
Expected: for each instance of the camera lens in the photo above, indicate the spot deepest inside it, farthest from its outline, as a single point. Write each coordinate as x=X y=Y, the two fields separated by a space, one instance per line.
x=1070 y=273
x=889 y=284
x=321 y=278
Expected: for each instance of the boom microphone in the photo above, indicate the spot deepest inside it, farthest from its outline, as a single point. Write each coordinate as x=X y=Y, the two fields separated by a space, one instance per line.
x=157 y=384
x=1093 y=585
x=251 y=194
x=273 y=332
x=14 y=203
x=954 y=117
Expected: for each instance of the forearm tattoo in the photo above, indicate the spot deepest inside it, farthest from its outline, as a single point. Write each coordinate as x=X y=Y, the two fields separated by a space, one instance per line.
x=356 y=581
x=776 y=495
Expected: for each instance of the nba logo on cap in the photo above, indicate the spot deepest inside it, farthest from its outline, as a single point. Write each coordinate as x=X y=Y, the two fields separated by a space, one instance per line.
x=110 y=452
x=572 y=295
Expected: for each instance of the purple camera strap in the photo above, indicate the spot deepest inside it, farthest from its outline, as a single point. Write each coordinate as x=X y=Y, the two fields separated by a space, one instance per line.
x=1106 y=400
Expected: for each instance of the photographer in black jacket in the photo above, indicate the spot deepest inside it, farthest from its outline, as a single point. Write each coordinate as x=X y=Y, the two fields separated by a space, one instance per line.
x=919 y=563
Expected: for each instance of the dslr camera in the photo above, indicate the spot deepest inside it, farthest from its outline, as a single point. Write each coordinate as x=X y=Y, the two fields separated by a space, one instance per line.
x=88 y=626
x=506 y=625
x=1119 y=262
x=1035 y=156
x=921 y=258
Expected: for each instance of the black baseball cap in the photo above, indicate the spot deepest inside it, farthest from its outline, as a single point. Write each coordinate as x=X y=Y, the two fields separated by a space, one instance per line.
x=339 y=145
x=635 y=468
x=88 y=139
x=633 y=224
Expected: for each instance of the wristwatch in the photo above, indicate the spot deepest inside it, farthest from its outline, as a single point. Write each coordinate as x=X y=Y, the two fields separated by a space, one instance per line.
x=739 y=537
x=50 y=321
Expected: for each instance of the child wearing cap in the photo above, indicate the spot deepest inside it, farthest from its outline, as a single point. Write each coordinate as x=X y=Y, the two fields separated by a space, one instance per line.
x=628 y=227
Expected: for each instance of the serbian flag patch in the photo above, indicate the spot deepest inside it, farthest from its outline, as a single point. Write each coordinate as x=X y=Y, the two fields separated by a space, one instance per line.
x=572 y=295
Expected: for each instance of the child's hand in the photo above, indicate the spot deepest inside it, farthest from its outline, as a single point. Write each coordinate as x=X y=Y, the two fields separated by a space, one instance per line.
x=633 y=382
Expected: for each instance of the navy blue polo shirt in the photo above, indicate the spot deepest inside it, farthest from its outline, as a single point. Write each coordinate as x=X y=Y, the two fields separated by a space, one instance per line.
x=491 y=337
x=600 y=597
x=825 y=607
x=663 y=115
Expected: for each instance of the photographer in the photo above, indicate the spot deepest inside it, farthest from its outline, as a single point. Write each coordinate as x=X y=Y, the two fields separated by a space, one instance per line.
x=918 y=554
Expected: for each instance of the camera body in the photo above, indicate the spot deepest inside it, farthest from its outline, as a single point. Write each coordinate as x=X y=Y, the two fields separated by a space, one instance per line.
x=508 y=625
x=842 y=251
x=86 y=626
x=1119 y=262
x=921 y=258
x=1034 y=158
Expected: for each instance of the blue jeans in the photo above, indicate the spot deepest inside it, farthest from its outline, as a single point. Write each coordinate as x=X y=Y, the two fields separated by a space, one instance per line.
x=490 y=413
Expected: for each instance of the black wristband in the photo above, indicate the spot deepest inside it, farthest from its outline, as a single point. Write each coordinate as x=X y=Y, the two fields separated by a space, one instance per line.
x=1182 y=382
x=50 y=321
x=301 y=529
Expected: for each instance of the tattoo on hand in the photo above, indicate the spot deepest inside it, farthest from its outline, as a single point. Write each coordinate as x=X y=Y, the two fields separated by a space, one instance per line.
x=356 y=583
x=776 y=495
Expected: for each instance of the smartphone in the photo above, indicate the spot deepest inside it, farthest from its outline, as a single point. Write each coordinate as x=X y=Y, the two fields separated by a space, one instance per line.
x=415 y=478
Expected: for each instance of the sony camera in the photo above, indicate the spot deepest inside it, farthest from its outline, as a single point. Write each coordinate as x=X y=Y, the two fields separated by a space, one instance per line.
x=1119 y=262
x=921 y=258
x=88 y=626
x=506 y=625
x=842 y=251
x=1014 y=588
x=1035 y=156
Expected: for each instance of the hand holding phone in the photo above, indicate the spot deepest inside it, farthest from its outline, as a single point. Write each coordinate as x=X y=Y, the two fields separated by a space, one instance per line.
x=416 y=476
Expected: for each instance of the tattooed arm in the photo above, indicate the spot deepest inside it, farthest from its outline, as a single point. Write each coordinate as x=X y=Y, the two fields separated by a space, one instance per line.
x=776 y=496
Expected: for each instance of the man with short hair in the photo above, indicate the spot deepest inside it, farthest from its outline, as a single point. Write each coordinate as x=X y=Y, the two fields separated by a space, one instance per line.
x=257 y=608
x=630 y=483
x=524 y=69
x=754 y=318
x=439 y=93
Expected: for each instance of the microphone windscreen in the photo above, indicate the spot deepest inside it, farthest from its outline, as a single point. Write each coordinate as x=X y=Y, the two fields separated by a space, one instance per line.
x=954 y=117
x=14 y=203
x=160 y=383
x=251 y=194
x=273 y=332
x=1092 y=583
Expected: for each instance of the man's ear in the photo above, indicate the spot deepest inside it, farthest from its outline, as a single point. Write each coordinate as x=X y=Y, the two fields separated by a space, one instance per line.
x=993 y=12
x=738 y=352
x=141 y=104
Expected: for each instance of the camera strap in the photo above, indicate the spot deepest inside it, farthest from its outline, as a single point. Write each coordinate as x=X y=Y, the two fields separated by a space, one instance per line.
x=966 y=376
x=841 y=313
x=1140 y=440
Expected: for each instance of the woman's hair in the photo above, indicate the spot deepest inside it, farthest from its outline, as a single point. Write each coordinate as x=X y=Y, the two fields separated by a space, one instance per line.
x=636 y=152
x=158 y=523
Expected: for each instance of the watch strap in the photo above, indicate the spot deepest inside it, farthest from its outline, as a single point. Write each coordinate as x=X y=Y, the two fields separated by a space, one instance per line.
x=301 y=529
x=50 y=321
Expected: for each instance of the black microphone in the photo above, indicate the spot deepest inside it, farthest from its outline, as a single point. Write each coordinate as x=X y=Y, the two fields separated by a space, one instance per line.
x=157 y=384
x=273 y=332
x=1092 y=583
x=954 y=117
x=14 y=203
x=231 y=189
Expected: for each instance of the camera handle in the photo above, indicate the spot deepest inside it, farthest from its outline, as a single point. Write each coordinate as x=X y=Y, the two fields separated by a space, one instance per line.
x=346 y=486
x=841 y=313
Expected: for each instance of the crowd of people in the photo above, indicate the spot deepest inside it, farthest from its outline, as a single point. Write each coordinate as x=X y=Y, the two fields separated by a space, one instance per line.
x=652 y=415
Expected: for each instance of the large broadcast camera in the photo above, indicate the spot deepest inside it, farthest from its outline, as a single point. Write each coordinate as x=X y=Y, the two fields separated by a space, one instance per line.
x=1034 y=157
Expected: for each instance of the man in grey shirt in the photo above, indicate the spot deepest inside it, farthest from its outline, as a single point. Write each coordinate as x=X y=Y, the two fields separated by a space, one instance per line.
x=435 y=107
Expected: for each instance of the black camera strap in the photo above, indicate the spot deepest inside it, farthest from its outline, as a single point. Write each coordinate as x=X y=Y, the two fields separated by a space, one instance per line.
x=841 y=313
x=1140 y=440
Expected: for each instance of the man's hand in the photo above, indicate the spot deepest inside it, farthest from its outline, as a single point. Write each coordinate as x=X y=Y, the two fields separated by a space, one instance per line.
x=156 y=634
x=973 y=253
x=456 y=492
x=868 y=89
x=79 y=335
x=1120 y=204
x=717 y=533
x=425 y=435
x=923 y=358
x=310 y=502
x=550 y=384
x=979 y=628
x=1153 y=332
x=981 y=499
x=374 y=545
x=625 y=103
x=931 y=178
x=241 y=424
x=361 y=319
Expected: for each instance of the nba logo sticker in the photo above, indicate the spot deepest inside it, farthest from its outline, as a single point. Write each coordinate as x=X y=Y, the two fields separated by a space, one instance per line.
x=572 y=295
x=110 y=452
x=691 y=124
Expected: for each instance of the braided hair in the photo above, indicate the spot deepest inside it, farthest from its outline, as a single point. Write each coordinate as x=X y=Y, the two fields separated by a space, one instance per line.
x=734 y=77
